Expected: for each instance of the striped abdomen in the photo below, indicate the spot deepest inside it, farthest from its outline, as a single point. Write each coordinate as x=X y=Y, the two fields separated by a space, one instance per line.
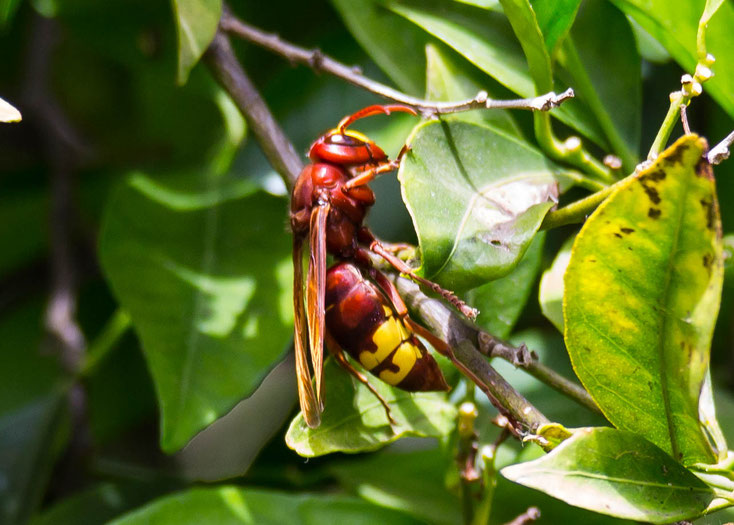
x=364 y=323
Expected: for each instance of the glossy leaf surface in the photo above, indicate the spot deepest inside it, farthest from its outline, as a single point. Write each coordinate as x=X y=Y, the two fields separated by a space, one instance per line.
x=196 y=24
x=500 y=302
x=477 y=198
x=550 y=294
x=555 y=18
x=354 y=420
x=486 y=40
x=447 y=80
x=617 y=473
x=393 y=43
x=230 y=505
x=675 y=23
x=203 y=268
x=603 y=66
x=642 y=294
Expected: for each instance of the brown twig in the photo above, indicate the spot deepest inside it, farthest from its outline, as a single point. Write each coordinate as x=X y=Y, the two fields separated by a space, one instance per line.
x=221 y=60
x=462 y=338
x=523 y=358
x=63 y=148
x=320 y=62
x=529 y=516
x=720 y=152
x=228 y=72
x=64 y=151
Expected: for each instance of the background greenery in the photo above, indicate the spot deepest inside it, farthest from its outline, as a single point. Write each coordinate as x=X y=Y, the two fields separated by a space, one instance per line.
x=176 y=215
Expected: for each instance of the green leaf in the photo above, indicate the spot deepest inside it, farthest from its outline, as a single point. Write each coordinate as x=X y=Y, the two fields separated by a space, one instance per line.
x=7 y=11
x=708 y=12
x=674 y=24
x=355 y=421
x=477 y=198
x=649 y=48
x=412 y=482
x=447 y=80
x=555 y=18
x=525 y=25
x=486 y=40
x=229 y=505
x=500 y=302
x=607 y=77
x=8 y=113
x=616 y=473
x=196 y=25
x=642 y=294
x=550 y=294
x=27 y=454
x=98 y=504
x=202 y=265
x=394 y=44
x=728 y=255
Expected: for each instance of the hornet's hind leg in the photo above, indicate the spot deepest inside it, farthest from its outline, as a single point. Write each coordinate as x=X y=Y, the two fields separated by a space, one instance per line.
x=338 y=354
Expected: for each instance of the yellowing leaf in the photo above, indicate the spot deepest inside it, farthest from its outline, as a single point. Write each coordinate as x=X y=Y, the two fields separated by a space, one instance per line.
x=642 y=293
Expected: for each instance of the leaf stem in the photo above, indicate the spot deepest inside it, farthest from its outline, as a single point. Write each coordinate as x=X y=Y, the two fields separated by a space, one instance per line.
x=591 y=97
x=320 y=62
x=691 y=86
x=577 y=211
x=462 y=338
x=570 y=151
x=466 y=457
x=105 y=342
x=488 y=456
x=521 y=357
x=583 y=181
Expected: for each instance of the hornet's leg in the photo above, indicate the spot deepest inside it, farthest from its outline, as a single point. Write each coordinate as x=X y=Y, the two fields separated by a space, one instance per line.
x=376 y=247
x=338 y=354
x=369 y=174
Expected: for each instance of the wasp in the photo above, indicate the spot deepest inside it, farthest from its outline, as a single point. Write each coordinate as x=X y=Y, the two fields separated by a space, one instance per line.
x=352 y=306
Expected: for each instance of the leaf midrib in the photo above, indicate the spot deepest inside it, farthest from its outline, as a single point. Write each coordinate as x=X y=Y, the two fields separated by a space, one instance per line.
x=665 y=316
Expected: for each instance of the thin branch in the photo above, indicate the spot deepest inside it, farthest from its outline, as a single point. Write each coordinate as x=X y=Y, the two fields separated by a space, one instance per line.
x=462 y=338
x=720 y=152
x=63 y=149
x=64 y=152
x=529 y=516
x=229 y=73
x=684 y=119
x=577 y=211
x=225 y=67
x=320 y=62
x=523 y=358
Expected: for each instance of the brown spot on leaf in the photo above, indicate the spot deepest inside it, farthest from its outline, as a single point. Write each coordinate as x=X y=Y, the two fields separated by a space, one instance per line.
x=627 y=230
x=618 y=235
x=655 y=176
x=653 y=213
x=651 y=192
x=676 y=156
x=707 y=260
x=495 y=242
x=708 y=207
x=703 y=167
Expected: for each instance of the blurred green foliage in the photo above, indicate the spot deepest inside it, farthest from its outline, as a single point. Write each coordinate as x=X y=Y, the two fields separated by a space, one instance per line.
x=176 y=217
